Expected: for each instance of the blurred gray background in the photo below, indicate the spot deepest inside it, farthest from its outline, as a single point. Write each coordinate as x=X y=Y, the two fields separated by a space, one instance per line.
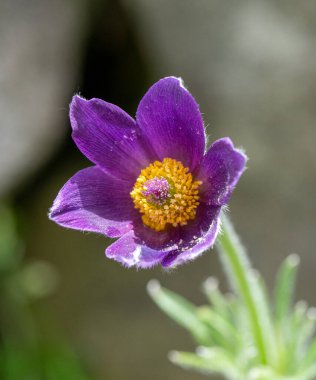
x=251 y=65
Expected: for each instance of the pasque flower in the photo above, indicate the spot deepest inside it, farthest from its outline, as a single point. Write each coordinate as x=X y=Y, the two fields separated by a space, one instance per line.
x=152 y=185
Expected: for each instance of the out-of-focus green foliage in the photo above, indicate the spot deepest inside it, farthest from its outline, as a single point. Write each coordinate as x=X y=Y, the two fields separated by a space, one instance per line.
x=24 y=354
x=8 y=240
x=245 y=335
x=47 y=362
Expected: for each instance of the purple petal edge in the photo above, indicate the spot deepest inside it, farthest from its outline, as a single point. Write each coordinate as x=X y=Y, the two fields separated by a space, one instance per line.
x=189 y=253
x=94 y=201
x=192 y=242
x=169 y=116
x=220 y=171
x=108 y=137
x=127 y=252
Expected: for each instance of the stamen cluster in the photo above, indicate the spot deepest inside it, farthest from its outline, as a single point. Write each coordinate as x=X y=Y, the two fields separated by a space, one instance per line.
x=166 y=194
x=157 y=191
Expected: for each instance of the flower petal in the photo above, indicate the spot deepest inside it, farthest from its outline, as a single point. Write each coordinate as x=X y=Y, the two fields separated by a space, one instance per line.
x=220 y=171
x=128 y=252
x=196 y=237
x=171 y=120
x=94 y=201
x=109 y=137
x=204 y=242
x=156 y=240
x=172 y=247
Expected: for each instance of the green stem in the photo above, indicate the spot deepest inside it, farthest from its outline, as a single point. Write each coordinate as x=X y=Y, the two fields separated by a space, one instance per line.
x=239 y=272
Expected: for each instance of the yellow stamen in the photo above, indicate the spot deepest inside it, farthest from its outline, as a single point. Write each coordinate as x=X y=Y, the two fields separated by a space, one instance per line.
x=175 y=204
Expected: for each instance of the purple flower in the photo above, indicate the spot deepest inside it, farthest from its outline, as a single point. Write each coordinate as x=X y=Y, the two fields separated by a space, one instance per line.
x=152 y=184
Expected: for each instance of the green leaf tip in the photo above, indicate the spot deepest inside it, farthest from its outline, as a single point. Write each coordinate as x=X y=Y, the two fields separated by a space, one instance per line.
x=153 y=287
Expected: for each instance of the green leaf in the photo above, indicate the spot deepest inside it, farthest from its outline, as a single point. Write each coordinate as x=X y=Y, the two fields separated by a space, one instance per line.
x=284 y=288
x=263 y=307
x=214 y=360
x=226 y=333
x=308 y=374
x=304 y=329
x=181 y=311
x=310 y=357
x=240 y=274
x=221 y=303
x=266 y=373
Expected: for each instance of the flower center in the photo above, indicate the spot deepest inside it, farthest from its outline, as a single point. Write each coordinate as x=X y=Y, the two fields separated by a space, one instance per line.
x=165 y=193
x=157 y=191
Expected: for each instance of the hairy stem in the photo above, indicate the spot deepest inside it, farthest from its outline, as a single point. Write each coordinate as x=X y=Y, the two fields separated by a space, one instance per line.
x=239 y=272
